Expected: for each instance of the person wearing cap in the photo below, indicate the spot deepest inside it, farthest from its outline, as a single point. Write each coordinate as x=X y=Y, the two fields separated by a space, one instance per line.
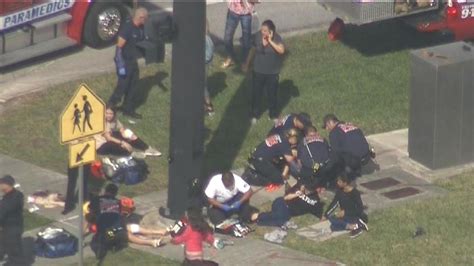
x=349 y=147
x=297 y=121
x=299 y=199
x=11 y=222
x=266 y=157
x=313 y=155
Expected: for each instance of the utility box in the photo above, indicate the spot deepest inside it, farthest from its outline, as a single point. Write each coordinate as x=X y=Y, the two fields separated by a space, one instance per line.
x=441 y=126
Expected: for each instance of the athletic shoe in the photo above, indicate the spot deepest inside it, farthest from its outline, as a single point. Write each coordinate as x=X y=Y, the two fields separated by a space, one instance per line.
x=134 y=115
x=357 y=232
x=157 y=243
x=290 y=225
x=152 y=152
x=138 y=155
x=363 y=225
x=272 y=187
x=253 y=121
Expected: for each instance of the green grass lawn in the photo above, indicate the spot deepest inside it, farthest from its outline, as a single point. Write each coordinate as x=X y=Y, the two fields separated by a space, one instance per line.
x=132 y=257
x=32 y=221
x=447 y=221
x=318 y=77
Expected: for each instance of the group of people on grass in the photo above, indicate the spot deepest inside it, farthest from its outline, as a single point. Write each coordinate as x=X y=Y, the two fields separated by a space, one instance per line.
x=292 y=148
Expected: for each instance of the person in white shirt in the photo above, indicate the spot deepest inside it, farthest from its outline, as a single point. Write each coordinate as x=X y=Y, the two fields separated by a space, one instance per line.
x=229 y=194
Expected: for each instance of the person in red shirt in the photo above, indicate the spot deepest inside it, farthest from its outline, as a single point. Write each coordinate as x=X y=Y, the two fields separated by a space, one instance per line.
x=196 y=231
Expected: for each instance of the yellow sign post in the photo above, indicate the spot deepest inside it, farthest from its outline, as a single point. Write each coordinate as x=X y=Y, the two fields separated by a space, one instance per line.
x=83 y=117
x=82 y=153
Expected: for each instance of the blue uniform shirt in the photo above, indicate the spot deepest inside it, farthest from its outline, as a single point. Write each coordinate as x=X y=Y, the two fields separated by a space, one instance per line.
x=318 y=147
x=273 y=147
x=131 y=34
x=348 y=138
x=283 y=125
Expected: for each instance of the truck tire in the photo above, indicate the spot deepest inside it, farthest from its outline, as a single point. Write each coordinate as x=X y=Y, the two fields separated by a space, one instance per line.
x=103 y=22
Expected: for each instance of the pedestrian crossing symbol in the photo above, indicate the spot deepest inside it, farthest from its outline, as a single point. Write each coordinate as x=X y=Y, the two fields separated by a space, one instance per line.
x=83 y=116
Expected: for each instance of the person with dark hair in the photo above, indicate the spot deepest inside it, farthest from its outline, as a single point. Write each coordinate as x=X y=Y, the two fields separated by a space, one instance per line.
x=267 y=156
x=267 y=55
x=313 y=155
x=111 y=232
x=120 y=141
x=300 y=199
x=196 y=231
x=11 y=223
x=351 y=214
x=297 y=121
x=238 y=11
x=349 y=147
x=228 y=194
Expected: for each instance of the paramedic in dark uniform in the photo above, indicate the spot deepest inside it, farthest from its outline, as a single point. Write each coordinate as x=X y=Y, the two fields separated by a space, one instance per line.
x=264 y=158
x=349 y=147
x=106 y=214
x=11 y=222
x=126 y=55
x=313 y=155
x=298 y=121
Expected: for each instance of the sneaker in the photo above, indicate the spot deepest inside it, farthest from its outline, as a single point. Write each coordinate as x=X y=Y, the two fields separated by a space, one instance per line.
x=272 y=187
x=134 y=115
x=227 y=63
x=357 y=232
x=157 y=243
x=152 y=152
x=138 y=155
x=290 y=225
x=253 y=121
x=363 y=225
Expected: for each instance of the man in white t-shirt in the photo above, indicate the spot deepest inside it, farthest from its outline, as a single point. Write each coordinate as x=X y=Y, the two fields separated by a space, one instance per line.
x=228 y=194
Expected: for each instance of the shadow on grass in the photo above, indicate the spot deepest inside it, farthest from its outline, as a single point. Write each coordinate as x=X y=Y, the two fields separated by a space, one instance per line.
x=389 y=36
x=232 y=131
x=217 y=83
x=146 y=84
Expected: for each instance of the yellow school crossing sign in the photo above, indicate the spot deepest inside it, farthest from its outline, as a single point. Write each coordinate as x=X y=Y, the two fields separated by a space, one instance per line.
x=81 y=153
x=83 y=117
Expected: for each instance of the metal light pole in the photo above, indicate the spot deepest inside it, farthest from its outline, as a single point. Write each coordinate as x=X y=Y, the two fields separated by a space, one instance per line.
x=187 y=101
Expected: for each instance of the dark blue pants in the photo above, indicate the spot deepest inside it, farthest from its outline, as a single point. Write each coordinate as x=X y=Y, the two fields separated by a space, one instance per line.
x=340 y=224
x=278 y=216
x=231 y=24
x=127 y=88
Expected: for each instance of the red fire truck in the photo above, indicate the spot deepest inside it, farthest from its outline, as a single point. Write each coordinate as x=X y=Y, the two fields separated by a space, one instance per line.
x=454 y=16
x=29 y=28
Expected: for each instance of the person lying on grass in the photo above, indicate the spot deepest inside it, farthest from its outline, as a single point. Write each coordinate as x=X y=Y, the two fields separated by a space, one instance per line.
x=351 y=214
x=300 y=199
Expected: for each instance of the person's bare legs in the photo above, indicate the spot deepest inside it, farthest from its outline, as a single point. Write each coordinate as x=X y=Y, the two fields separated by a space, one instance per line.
x=143 y=236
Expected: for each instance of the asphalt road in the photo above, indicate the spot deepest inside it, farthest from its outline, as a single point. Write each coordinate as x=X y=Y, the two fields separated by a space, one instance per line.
x=289 y=17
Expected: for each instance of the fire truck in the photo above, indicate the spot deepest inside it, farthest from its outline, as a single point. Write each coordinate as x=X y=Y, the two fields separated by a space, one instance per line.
x=453 y=16
x=30 y=28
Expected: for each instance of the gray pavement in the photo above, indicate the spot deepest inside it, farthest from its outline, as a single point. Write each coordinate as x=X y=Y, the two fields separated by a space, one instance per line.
x=289 y=17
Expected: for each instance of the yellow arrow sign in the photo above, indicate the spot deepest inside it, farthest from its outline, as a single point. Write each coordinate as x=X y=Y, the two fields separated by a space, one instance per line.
x=83 y=116
x=82 y=153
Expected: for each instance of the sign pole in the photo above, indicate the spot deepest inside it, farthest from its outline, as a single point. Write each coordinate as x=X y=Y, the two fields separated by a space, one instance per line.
x=81 y=215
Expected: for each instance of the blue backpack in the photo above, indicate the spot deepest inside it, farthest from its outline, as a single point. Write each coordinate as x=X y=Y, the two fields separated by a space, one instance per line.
x=130 y=171
x=55 y=243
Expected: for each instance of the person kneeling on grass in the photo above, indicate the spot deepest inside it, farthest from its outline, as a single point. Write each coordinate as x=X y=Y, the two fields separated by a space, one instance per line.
x=228 y=194
x=351 y=215
x=300 y=199
x=120 y=141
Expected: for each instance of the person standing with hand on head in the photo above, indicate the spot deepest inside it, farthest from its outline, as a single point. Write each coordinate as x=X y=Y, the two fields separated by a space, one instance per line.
x=11 y=223
x=267 y=55
x=126 y=55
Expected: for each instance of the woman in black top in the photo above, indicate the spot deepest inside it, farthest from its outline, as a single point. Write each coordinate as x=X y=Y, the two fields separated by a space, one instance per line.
x=268 y=50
